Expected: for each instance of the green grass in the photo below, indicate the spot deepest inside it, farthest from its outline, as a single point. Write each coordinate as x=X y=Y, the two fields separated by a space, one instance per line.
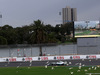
x=83 y=33
x=47 y=71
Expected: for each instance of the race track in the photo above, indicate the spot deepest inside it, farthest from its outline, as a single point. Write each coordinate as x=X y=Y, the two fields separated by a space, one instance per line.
x=85 y=62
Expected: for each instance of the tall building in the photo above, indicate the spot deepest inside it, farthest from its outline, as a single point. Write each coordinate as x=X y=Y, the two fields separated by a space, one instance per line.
x=69 y=14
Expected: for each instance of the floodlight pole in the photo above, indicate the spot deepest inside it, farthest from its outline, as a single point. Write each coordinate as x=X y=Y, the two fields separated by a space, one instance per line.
x=9 y=53
x=87 y=23
x=31 y=51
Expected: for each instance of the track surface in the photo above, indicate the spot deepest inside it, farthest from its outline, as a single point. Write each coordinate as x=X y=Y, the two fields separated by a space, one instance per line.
x=86 y=62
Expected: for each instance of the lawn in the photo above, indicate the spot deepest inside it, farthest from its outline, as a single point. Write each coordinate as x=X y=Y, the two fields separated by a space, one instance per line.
x=49 y=70
x=83 y=33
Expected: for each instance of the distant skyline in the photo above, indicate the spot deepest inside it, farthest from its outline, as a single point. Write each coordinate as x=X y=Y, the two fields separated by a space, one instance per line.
x=84 y=24
x=69 y=14
x=23 y=12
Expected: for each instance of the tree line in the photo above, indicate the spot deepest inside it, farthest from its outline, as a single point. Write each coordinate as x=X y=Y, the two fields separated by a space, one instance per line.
x=36 y=33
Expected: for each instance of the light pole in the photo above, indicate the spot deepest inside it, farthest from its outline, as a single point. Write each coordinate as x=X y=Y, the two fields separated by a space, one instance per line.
x=9 y=53
x=87 y=24
x=59 y=51
x=31 y=51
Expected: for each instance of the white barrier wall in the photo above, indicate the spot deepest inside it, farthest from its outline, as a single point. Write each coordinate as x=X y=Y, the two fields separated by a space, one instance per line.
x=44 y=58
x=88 y=46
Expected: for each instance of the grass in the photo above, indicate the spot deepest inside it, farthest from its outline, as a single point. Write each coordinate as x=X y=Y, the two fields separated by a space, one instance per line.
x=83 y=33
x=48 y=71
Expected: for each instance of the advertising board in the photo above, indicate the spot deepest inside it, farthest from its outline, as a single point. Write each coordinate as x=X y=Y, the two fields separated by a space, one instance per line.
x=86 y=29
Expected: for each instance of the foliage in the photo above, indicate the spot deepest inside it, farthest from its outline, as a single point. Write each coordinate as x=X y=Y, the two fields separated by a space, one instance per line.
x=3 y=41
x=36 y=33
x=8 y=33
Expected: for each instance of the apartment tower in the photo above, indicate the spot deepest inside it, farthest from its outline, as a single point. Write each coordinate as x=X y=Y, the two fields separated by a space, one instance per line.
x=69 y=14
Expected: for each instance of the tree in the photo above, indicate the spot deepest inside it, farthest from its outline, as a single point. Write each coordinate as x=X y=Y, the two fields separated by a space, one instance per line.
x=3 y=41
x=22 y=34
x=49 y=28
x=52 y=38
x=26 y=34
x=19 y=35
x=8 y=33
x=38 y=36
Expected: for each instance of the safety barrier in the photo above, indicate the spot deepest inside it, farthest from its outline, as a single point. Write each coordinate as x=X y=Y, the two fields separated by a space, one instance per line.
x=44 y=58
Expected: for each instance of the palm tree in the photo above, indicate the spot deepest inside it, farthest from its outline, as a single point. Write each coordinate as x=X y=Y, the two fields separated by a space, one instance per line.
x=38 y=36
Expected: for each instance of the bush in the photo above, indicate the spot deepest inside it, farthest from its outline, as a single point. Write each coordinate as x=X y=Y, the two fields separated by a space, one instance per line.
x=3 y=41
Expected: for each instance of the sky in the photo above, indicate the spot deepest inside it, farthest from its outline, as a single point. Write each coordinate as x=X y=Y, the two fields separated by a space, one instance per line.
x=84 y=24
x=18 y=13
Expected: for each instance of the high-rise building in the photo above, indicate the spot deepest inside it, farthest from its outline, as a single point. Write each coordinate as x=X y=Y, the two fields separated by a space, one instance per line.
x=69 y=14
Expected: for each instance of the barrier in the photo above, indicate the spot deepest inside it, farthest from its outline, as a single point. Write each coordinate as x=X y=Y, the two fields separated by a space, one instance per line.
x=12 y=59
x=28 y=59
x=91 y=57
x=45 y=58
x=76 y=57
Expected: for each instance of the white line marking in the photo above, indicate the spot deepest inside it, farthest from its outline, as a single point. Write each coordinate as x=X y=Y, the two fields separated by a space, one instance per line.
x=92 y=73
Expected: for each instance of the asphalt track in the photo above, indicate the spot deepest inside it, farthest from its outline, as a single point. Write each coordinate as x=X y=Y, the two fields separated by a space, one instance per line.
x=85 y=62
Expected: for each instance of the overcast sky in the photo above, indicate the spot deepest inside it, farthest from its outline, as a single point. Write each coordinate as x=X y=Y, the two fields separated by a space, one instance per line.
x=24 y=12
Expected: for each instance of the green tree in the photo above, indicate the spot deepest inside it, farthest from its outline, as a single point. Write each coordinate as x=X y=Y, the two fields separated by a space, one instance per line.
x=3 y=41
x=38 y=36
x=49 y=28
x=52 y=38
x=8 y=33
x=38 y=33
x=22 y=34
